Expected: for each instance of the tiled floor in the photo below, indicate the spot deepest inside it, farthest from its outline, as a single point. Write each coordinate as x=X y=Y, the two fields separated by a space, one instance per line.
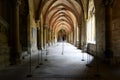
x=64 y=62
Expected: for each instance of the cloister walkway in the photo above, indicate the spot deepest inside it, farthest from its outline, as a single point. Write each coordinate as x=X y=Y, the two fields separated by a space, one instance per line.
x=64 y=62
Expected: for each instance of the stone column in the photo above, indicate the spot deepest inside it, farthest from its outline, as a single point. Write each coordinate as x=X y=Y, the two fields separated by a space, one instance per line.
x=44 y=36
x=38 y=36
x=52 y=38
x=108 y=28
x=15 y=52
x=76 y=36
x=41 y=37
x=80 y=32
x=28 y=33
x=72 y=38
x=68 y=38
x=47 y=36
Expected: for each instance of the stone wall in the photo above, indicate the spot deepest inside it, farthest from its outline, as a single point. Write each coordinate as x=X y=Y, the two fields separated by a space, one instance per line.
x=3 y=8
x=116 y=29
x=32 y=25
x=4 y=48
x=116 y=37
x=91 y=49
x=100 y=29
x=23 y=23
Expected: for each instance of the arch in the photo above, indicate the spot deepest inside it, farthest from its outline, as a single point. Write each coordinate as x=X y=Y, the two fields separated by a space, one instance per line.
x=61 y=14
x=68 y=11
x=63 y=19
x=66 y=8
x=59 y=22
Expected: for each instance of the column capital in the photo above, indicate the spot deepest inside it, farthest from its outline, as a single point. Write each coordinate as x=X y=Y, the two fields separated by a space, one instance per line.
x=37 y=23
x=38 y=28
x=49 y=29
x=45 y=26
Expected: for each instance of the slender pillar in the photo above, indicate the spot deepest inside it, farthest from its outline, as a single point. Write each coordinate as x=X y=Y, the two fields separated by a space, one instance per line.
x=28 y=33
x=52 y=38
x=44 y=36
x=41 y=37
x=69 y=38
x=38 y=35
x=47 y=36
x=80 y=32
x=72 y=38
x=15 y=52
x=108 y=28
x=76 y=36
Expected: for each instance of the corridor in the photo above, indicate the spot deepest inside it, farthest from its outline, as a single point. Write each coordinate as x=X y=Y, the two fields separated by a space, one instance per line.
x=64 y=62
x=59 y=40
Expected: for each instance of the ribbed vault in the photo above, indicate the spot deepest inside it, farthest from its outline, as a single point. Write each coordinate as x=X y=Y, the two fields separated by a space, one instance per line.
x=61 y=14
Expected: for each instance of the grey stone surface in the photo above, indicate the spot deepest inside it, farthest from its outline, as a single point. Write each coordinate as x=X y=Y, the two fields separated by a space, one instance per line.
x=61 y=67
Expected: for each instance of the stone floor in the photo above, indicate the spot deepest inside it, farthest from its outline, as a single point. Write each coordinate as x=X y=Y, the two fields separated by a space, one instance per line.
x=63 y=62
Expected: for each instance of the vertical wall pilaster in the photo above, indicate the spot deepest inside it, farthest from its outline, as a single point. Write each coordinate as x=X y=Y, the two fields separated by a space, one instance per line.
x=41 y=37
x=15 y=50
x=108 y=28
x=44 y=36
x=80 y=32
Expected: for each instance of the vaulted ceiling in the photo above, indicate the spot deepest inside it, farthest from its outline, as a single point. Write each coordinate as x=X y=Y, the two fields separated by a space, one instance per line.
x=60 y=14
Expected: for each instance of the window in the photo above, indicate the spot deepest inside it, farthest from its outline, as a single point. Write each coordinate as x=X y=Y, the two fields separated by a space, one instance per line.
x=91 y=29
